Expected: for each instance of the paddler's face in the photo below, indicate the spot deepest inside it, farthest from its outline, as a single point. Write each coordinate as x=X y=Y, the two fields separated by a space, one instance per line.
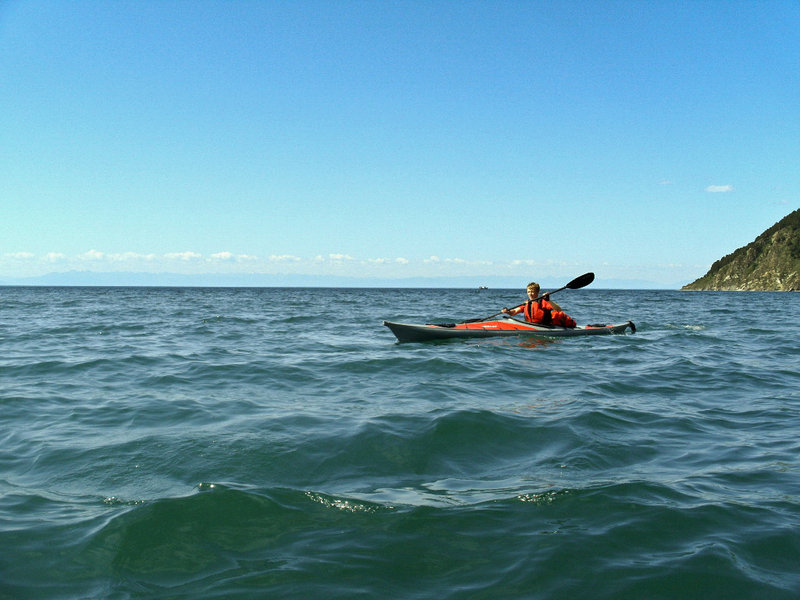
x=533 y=292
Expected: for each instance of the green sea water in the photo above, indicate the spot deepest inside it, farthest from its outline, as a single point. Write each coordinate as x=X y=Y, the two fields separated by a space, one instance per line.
x=279 y=443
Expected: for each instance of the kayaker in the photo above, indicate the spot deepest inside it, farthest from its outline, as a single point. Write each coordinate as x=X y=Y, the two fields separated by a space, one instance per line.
x=543 y=311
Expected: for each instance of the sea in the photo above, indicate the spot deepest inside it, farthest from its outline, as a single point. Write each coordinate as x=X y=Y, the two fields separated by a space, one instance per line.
x=279 y=443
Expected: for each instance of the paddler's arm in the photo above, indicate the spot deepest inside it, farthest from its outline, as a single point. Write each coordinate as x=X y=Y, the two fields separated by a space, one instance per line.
x=553 y=304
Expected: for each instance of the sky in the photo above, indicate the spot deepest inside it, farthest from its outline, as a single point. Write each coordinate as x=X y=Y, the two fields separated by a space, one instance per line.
x=640 y=140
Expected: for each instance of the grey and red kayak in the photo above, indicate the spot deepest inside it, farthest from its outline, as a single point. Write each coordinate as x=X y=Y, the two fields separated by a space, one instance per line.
x=505 y=326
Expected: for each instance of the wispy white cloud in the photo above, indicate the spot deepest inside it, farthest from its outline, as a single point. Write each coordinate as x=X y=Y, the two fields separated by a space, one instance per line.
x=54 y=256
x=231 y=257
x=524 y=262
x=129 y=256
x=20 y=255
x=719 y=189
x=340 y=257
x=92 y=255
x=187 y=256
x=282 y=258
x=115 y=257
x=453 y=261
x=385 y=261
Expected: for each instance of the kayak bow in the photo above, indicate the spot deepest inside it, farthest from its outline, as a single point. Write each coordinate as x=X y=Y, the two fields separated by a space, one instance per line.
x=506 y=326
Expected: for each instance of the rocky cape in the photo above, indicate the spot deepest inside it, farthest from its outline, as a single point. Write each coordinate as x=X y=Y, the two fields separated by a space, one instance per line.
x=771 y=262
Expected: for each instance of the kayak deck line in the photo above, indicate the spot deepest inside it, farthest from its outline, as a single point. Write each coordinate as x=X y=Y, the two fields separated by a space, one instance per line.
x=506 y=326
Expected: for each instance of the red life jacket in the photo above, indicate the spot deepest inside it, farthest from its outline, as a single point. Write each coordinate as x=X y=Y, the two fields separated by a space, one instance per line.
x=539 y=312
x=542 y=312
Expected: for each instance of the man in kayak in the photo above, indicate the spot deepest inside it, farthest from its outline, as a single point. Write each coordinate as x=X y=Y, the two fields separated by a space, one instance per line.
x=543 y=310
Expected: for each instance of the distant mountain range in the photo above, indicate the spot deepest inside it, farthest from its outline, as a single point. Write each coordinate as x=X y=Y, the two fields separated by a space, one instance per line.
x=771 y=262
x=129 y=279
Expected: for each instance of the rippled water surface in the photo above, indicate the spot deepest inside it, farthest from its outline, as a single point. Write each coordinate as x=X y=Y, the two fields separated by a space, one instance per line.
x=240 y=443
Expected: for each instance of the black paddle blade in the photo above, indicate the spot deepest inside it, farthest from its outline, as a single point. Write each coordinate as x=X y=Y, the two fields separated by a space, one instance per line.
x=581 y=281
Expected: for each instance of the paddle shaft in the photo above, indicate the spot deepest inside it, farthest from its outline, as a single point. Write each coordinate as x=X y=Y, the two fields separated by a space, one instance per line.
x=575 y=284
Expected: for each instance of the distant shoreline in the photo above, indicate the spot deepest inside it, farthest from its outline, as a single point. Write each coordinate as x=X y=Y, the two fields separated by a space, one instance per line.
x=132 y=279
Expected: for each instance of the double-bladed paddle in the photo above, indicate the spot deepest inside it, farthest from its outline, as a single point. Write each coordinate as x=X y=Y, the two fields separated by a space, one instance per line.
x=575 y=284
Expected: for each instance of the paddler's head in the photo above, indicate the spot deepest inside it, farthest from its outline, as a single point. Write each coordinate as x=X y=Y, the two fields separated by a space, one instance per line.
x=533 y=290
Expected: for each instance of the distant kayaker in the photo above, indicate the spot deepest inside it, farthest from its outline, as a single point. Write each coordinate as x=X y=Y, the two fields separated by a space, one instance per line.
x=543 y=310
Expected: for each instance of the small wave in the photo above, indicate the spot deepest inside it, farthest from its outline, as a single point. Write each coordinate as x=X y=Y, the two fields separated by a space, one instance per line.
x=114 y=501
x=688 y=327
x=344 y=504
x=542 y=497
x=231 y=319
x=301 y=318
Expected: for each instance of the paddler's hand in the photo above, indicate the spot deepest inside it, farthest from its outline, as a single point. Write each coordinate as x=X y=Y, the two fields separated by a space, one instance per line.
x=505 y=310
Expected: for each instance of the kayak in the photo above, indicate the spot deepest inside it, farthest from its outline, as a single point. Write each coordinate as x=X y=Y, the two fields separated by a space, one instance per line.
x=505 y=326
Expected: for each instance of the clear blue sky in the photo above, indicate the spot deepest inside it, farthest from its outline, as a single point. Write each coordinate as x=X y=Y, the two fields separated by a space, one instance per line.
x=638 y=139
